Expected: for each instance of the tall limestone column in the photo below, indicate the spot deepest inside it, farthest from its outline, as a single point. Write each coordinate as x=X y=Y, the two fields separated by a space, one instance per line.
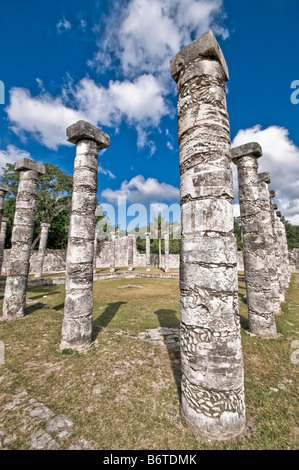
x=254 y=218
x=212 y=401
x=42 y=249
x=3 y=190
x=131 y=241
x=283 y=251
x=166 y=251
x=77 y=323
x=2 y=240
x=147 y=251
x=264 y=197
x=18 y=266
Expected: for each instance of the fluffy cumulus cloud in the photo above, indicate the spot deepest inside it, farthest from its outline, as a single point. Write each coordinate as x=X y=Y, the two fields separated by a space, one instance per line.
x=281 y=159
x=141 y=190
x=11 y=155
x=140 y=103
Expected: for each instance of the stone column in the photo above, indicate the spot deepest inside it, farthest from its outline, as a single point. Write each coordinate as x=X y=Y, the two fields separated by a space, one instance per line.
x=41 y=250
x=166 y=251
x=2 y=240
x=95 y=253
x=18 y=266
x=254 y=217
x=212 y=401
x=264 y=196
x=286 y=251
x=112 y=252
x=3 y=190
x=77 y=323
x=148 y=251
x=131 y=241
x=277 y=251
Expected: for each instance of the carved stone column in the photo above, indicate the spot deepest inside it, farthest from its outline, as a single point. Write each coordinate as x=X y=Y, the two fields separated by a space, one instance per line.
x=77 y=323
x=131 y=241
x=166 y=251
x=284 y=252
x=41 y=250
x=18 y=266
x=264 y=196
x=254 y=217
x=2 y=240
x=148 y=251
x=212 y=401
x=277 y=250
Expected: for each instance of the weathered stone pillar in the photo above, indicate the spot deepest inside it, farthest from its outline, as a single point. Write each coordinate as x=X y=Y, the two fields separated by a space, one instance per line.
x=277 y=251
x=2 y=240
x=148 y=251
x=112 y=252
x=254 y=217
x=95 y=253
x=264 y=197
x=166 y=251
x=77 y=323
x=3 y=190
x=41 y=250
x=18 y=266
x=212 y=401
x=131 y=241
x=286 y=251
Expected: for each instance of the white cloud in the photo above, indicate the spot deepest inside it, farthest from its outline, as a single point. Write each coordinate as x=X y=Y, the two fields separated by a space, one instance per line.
x=142 y=190
x=63 y=25
x=44 y=117
x=11 y=155
x=106 y=172
x=146 y=34
x=140 y=103
x=281 y=159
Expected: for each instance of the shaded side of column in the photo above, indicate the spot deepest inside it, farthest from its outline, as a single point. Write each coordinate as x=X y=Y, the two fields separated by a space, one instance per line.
x=77 y=323
x=254 y=217
x=3 y=190
x=147 y=251
x=2 y=240
x=18 y=266
x=277 y=251
x=212 y=401
x=42 y=249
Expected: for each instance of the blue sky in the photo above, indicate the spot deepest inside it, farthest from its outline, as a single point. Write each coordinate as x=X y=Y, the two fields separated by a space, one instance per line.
x=108 y=62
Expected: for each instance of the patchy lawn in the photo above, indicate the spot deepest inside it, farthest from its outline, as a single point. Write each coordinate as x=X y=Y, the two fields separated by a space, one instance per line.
x=124 y=392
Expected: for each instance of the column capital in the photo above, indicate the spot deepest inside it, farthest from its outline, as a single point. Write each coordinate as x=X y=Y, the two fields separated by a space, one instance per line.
x=272 y=193
x=27 y=164
x=5 y=219
x=278 y=213
x=4 y=188
x=275 y=206
x=45 y=225
x=82 y=130
x=252 y=149
x=206 y=46
x=264 y=177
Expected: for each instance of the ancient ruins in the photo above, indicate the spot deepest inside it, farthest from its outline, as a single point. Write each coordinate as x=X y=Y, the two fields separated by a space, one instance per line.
x=212 y=385
x=212 y=401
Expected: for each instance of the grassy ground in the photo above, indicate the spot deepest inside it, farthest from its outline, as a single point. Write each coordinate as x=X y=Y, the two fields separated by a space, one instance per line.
x=124 y=392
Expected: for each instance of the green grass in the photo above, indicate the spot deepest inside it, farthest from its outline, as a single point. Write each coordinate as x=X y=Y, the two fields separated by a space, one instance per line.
x=123 y=393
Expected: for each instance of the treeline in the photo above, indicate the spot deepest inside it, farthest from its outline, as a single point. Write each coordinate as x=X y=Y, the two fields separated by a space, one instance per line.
x=54 y=204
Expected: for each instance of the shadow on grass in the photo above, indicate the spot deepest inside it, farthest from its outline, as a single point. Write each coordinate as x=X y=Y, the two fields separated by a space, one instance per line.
x=168 y=319
x=44 y=293
x=105 y=318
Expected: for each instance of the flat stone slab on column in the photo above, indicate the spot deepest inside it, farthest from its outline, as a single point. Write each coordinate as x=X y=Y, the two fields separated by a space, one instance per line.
x=252 y=148
x=26 y=164
x=82 y=130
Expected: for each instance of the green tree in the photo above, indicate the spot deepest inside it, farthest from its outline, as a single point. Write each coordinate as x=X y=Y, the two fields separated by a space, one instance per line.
x=237 y=232
x=292 y=232
x=53 y=203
